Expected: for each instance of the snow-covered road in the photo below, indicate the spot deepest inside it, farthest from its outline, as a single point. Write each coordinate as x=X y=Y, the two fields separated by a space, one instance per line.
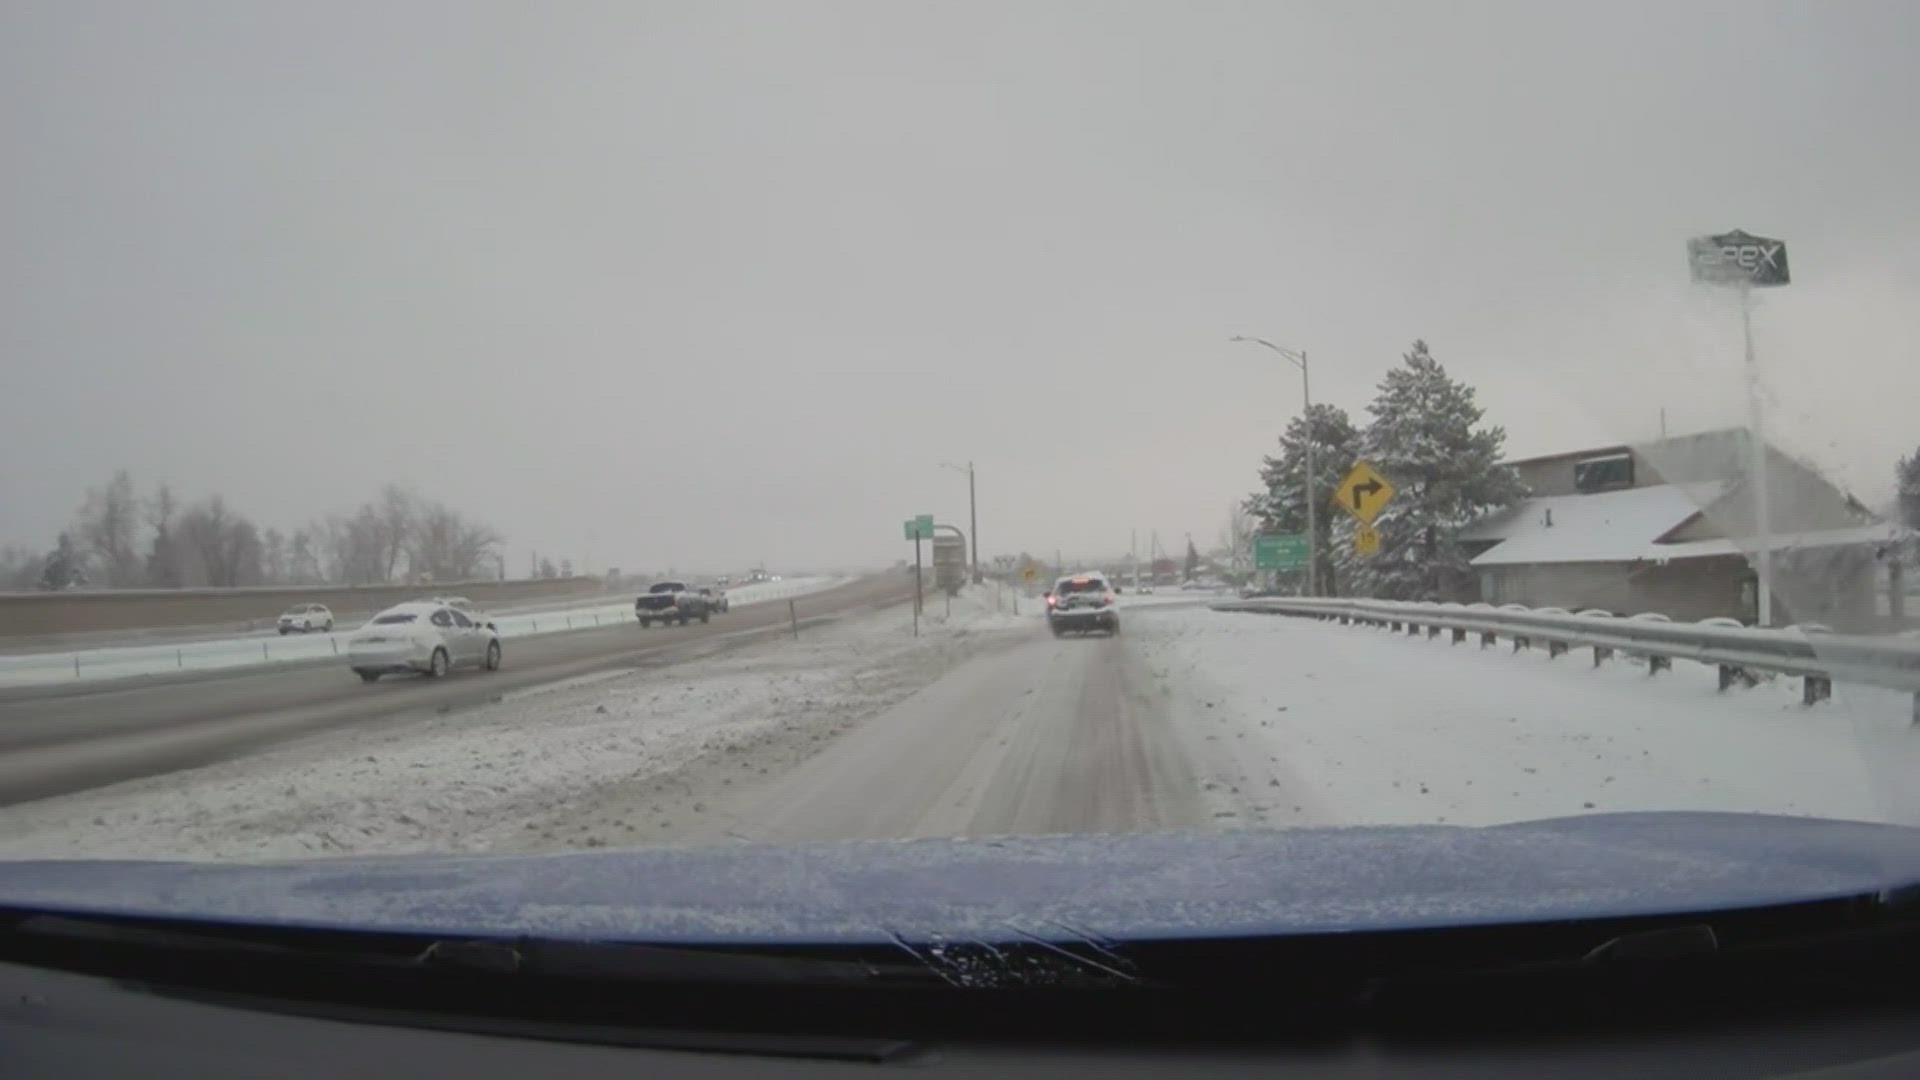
x=987 y=725
x=262 y=649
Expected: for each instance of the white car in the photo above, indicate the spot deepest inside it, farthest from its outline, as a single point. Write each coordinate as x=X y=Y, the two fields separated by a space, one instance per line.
x=427 y=636
x=306 y=618
x=1082 y=602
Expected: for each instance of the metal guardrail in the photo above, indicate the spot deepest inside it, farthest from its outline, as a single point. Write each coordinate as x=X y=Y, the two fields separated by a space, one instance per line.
x=1817 y=658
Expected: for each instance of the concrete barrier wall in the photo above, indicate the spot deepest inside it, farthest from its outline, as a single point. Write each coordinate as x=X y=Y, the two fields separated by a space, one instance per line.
x=48 y=614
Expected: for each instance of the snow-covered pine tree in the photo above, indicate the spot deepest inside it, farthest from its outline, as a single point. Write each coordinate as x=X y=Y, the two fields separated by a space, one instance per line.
x=1282 y=506
x=1906 y=478
x=1424 y=438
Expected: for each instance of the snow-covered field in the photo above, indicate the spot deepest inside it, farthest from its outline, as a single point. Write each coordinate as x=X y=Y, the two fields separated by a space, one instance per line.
x=40 y=669
x=1345 y=725
x=1256 y=720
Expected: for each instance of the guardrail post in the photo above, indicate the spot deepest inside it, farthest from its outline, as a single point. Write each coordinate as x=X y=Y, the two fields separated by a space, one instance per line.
x=1555 y=648
x=1459 y=635
x=1815 y=689
x=1600 y=653
x=1734 y=673
x=336 y=644
x=1433 y=632
x=1521 y=643
x=1413 y=629
x=1394 y=626
x=1656 y=664
x=1488 y=637
x=263 y=651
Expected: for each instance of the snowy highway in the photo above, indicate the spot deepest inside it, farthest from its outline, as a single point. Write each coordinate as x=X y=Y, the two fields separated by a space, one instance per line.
x=62 y=738
x=985 y=725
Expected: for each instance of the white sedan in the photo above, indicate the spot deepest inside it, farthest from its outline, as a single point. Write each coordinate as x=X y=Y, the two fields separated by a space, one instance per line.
x=424 y=636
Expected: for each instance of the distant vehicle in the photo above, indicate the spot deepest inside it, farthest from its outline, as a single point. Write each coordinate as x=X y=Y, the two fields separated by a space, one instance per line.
x=428 y=637
x=671 y=602
x=1190 y=585
x=1082 y=602
x=306 y=618
x=716 y=598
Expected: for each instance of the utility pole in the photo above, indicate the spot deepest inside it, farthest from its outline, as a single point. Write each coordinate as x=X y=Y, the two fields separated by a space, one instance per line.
x=973 y=514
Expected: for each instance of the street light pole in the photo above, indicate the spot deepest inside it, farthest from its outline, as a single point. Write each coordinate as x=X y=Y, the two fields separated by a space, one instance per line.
x=973 y=514
x=1299 y=360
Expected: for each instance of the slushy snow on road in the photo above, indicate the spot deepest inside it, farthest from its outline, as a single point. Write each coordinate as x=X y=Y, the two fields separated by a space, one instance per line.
x=986 y=723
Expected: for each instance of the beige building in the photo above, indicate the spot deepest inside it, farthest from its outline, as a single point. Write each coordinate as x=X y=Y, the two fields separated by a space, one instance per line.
x=1668 y=527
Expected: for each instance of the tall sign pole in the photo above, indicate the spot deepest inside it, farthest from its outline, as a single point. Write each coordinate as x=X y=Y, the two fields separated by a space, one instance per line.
x=1747 y=262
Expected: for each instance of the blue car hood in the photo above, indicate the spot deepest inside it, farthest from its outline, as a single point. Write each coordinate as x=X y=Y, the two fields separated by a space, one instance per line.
x=1122 y=887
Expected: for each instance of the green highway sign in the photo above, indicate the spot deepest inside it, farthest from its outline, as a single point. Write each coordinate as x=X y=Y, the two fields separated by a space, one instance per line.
x=918 y=528
x=1280 y=551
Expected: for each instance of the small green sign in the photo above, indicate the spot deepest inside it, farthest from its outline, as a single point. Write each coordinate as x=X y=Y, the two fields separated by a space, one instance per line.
x=918 y=528
x=1280 y=551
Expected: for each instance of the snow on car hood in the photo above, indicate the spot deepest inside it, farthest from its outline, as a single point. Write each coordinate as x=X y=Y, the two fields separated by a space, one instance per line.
x=1122 y=887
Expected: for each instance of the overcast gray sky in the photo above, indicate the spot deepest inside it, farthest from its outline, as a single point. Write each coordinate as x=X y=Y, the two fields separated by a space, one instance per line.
x=692 y=284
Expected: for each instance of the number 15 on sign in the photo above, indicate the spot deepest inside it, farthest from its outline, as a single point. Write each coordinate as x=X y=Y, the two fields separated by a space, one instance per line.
x=1366 y=540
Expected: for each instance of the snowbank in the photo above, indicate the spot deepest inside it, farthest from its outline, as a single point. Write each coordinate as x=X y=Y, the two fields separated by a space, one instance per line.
x=1300 y=722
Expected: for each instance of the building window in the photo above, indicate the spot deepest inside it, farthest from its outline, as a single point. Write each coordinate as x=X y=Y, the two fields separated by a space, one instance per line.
x=1607 y=473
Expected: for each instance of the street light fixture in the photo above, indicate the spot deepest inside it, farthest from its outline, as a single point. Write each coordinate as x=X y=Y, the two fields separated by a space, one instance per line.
x=1298 y=357
x=973 y=515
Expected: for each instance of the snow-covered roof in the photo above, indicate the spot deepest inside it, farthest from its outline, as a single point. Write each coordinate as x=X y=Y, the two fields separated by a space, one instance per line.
x=1882 y=532
x=1616 y=526
x=1626 y=526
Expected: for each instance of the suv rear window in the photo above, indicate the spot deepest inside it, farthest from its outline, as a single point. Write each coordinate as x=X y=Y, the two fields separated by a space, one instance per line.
x=1081 y=585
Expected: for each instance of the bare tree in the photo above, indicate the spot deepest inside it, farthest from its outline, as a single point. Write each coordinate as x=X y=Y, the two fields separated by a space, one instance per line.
x=20 y=568
x=448 y=546
x=399 y=509
x=108 y=528
x=225 y=545
x=355 y=547
x=273 y=556
x=303 y=556
x=164 y=557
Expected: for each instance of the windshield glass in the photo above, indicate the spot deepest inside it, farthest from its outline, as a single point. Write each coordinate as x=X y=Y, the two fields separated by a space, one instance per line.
x=1112 y=420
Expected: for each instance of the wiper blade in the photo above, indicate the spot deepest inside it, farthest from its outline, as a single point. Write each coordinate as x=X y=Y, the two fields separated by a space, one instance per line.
x=657 y=963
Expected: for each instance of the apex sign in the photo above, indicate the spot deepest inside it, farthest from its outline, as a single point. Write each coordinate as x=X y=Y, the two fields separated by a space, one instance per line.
x=1738 y=258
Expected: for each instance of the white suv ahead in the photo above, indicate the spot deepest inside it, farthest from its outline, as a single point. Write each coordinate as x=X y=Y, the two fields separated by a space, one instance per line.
x=1082 y=602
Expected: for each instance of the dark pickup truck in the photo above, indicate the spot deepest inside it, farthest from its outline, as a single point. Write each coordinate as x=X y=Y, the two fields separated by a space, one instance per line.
x=671 y=601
